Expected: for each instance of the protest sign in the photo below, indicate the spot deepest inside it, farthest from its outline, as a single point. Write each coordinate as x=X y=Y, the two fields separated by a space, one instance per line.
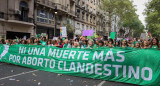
x=88 y=32
x=112 y=35
x=63 y=31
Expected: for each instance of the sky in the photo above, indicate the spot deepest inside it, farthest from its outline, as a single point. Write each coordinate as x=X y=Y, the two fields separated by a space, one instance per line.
x=140 y=9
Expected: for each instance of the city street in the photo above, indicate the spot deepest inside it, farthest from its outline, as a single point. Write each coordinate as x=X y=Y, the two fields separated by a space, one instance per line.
x=11 y=75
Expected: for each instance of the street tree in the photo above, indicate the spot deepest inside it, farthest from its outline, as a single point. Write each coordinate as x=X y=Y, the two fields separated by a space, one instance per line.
x=152 y=12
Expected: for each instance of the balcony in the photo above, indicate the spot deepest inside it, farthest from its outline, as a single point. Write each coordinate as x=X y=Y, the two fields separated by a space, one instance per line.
x=72 y=1
x=23 y=21
x=46 y=3
x=20 y=18
x=57 y=6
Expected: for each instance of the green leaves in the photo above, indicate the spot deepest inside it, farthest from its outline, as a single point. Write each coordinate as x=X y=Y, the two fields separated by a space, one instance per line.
x=152 y=12
x=125 y=11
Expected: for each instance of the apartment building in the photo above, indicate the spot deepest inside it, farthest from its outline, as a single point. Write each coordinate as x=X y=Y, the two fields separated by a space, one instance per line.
x=85 y=15
x=101 y=20
x=50 y=15
x=29 y=17
x=16 y=18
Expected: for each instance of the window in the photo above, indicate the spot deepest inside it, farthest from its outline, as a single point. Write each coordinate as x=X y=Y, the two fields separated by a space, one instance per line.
x=87 y=6
x=38 y=14
x=87 y=17
x=82 y=26
x=94 y=20
x=42 y=16
x=91 y=19
x=24 y=11
x=78 y=2
x=83 y=4
x=78 y=25
x=46 y=17
x=82 y=16
x=1 y=15
x=50 y=18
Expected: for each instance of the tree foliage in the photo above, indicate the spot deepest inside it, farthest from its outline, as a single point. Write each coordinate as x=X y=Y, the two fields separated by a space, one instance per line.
x=125 y=10
x=152 y=12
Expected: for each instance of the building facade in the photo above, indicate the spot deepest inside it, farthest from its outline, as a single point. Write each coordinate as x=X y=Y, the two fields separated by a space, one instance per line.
x=101 y=20
x=30 y=17
x=16 y=18
x=50 y=15
x=85 y=15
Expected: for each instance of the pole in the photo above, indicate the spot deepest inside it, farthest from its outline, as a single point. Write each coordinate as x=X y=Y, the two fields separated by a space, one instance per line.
x=55 y=26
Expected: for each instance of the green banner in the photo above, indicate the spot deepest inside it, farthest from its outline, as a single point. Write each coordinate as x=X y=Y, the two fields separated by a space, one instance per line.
x=135 y=66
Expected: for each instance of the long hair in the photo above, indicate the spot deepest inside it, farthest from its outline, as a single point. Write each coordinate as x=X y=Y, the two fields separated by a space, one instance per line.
x=156 y=43
x=118 y=43
x=143 y=43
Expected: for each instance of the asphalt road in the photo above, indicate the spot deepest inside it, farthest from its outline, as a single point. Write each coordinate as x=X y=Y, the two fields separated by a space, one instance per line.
x=12 y=75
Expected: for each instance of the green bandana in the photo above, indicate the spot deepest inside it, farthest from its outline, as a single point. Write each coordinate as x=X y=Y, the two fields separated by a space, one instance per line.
x=136 y=42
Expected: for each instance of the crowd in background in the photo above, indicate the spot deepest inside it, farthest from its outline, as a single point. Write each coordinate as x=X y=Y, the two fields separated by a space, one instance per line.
x=85 y=43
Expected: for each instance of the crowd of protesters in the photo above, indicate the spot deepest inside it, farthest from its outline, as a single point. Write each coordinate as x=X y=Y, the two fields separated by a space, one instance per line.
x=84 y=43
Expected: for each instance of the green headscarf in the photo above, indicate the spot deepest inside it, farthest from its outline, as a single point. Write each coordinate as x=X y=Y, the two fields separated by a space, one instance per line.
x=136 y=42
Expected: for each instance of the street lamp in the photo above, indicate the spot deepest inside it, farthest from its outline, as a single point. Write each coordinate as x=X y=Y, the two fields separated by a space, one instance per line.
x=55 y=12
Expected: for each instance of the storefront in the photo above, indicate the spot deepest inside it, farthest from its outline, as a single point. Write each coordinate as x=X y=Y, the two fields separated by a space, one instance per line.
x=13 y=35
x=48 y=30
